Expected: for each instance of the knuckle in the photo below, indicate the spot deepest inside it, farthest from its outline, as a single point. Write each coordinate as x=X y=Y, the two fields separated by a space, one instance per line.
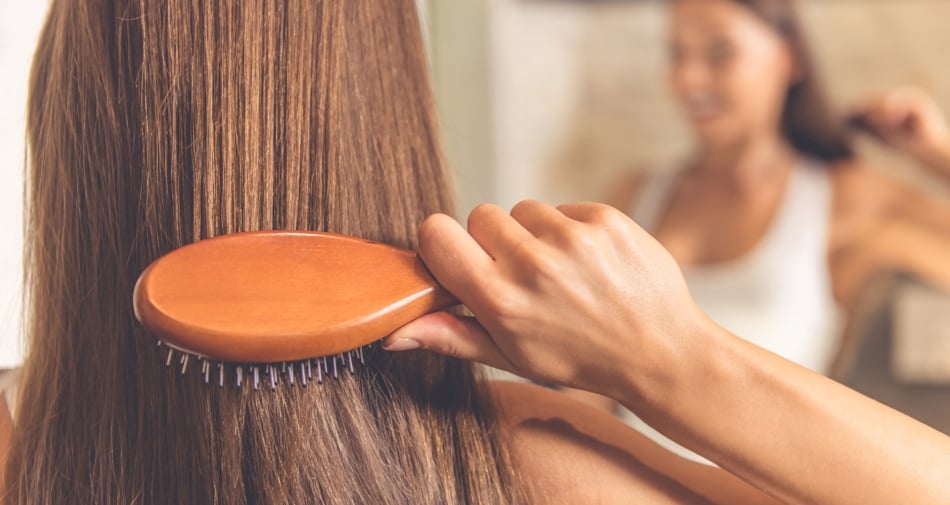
x=429 y=229
x=535 y=263
x=449 y=348
x=587 y=241
x=481 y=214
x=524 y=207
x=573 y=235
x=607 y=216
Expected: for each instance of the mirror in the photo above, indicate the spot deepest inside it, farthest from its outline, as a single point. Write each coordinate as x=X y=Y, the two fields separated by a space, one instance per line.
x=554 y=99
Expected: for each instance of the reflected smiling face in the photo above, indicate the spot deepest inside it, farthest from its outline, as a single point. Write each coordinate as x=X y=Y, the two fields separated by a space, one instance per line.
x=729 y=70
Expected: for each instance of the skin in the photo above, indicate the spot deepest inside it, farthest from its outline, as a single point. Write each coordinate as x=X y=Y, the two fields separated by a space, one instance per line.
x=783 y=429
x=730 y=71
x=581 y=296
x=909 y=120
x=573 y=454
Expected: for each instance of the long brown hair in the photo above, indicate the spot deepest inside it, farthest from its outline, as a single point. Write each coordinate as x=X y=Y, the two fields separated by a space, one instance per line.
x=808 y=120
x=156 y=124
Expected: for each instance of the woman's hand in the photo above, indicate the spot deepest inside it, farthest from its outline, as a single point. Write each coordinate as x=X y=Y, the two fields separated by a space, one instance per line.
x=581 y=296
x=909 y=120
x=570 y=295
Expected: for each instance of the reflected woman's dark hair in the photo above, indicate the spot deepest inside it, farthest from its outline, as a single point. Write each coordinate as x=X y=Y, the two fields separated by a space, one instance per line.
x=808 y=120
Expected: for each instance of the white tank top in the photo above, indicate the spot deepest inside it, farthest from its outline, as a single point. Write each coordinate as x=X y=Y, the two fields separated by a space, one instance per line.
x=779 y=295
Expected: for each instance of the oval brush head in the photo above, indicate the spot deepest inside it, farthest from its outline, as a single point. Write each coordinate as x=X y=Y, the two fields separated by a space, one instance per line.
x=267 y=297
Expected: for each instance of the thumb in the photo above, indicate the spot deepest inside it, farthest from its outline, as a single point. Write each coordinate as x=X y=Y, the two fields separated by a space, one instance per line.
x=451 y=335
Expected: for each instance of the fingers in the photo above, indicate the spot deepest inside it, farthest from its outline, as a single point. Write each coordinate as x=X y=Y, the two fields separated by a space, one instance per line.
x=876 y=120
x=539 y=218
x=604 y=216
x=444 y=333
x=496 y=231
x=591 y=213
x=453 y=257
x=895 y=112
x=899 y=111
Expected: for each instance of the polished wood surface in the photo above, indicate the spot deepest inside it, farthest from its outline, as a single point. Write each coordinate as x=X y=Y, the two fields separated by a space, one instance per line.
x=283 y=296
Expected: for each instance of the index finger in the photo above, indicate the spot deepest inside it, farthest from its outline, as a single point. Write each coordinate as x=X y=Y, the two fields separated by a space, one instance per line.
x=453 y=257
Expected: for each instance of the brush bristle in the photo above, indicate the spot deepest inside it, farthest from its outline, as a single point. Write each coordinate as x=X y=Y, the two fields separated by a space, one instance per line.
x=266 y=375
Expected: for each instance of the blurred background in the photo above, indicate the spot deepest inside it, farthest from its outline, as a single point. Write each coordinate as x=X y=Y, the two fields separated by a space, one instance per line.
x=553 y=99
x=19 y=28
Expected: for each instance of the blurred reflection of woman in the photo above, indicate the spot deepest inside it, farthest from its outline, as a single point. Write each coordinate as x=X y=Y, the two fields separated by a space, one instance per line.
x=776 y=226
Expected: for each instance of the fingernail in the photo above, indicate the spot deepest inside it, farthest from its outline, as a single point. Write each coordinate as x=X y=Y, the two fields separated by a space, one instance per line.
x=402 y=344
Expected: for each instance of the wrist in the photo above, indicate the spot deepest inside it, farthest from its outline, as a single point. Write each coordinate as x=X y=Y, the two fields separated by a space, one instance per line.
x=672 y=363
x=698 y=395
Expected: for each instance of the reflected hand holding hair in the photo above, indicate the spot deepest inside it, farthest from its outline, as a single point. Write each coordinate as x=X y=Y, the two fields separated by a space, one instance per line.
x=909 y=120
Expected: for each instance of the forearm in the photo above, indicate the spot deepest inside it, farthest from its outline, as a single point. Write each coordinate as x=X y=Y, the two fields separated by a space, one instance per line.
x=582 y=296
x=795 y=434
x=910 y=245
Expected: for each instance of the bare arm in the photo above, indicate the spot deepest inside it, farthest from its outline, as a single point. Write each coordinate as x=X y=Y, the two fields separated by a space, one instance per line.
x=912 y=246
x=577 y=455
x=583 y=297
x=800 y=436
x=909 y=120
x=881 y=226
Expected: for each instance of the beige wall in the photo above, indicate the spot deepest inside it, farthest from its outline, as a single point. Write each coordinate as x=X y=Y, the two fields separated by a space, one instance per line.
x=20 y=24
x=570 y=93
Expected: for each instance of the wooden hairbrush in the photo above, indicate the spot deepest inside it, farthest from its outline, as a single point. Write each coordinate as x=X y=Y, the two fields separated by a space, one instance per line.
x=282 y=296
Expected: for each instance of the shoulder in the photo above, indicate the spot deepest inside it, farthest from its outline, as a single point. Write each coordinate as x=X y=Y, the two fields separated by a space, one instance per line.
x=576 y=454
x=863 y=198
x=866 y=199
x=864 y=189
